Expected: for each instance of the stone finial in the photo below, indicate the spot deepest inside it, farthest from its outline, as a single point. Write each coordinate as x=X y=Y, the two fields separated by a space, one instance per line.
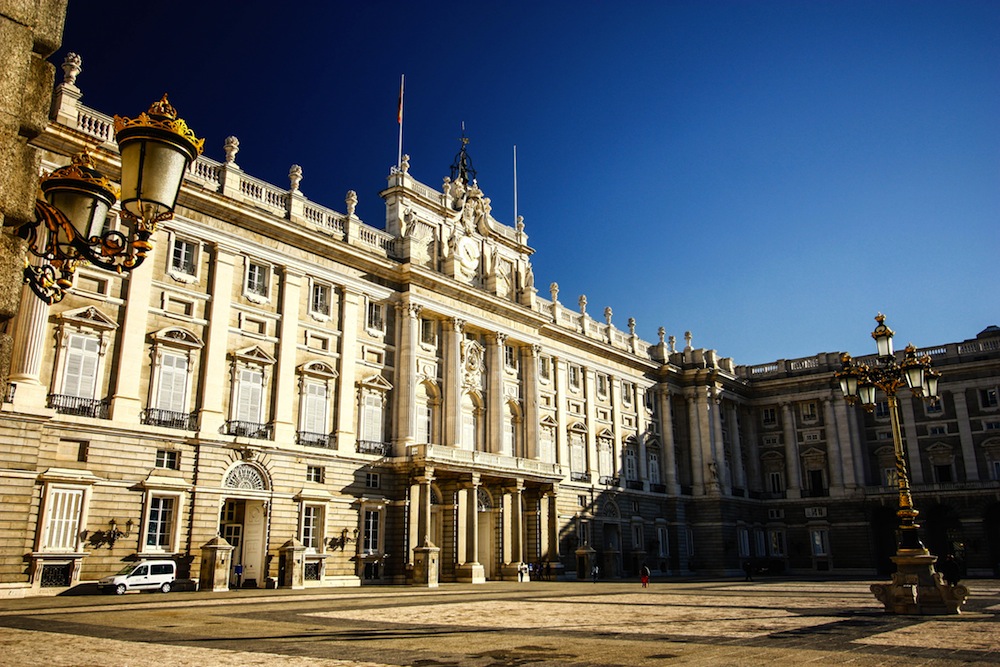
x=404 y=164
x=71 y=67
x=446 y=186
x=554 y=291
x=294 y=177
x=631 y=326
x=687 y=341
x=661 y=332
x=607 y=315
x=351 y=201
x=520 y=224
x=231 y=147
x=582 y=301
x=672 y=344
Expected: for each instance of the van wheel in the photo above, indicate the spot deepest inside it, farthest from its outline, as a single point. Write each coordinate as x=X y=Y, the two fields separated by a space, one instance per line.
x=120 y=589
x=165 y=588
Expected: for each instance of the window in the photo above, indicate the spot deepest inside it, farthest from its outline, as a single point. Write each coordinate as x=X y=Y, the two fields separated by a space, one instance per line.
x=653 y=459
x=312 y=527
x=172 y=381
x=319 y=300
x=628 y=391
x=760 y=541
x=605 y=467
x=943 y=474
x=809 y=412
x=631 y=465
x=372 y=480
x=581 y=501
x=314 y=402
x=820 y=540
x=160 y=523
x=882 y=409
x=988 y=397
x=183 y=256
x=776 y=481
x=995 y=469
x=370 y=542
x=776 y=542
x=937 y=430
x=770 y=440
x=992 y=426
x=80 y=375
x=768 y=417
x=889 y=477
x=428 y=332
x=547 y=443
x=577 y=453
x=744 y=541
x=933 y=407
x=510 y=356
x=372 y=423
x=574 y=376
x=257 y=283
x=62 y=528
x=314 y=474
x=168 y=458
x=602 y=385
x=545 y=367
x=662 y=542
x=249 y=395
x=637 y=536
x=375 y=320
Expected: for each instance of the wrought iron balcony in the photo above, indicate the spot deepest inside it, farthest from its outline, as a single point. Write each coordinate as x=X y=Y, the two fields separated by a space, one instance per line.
x=81 y=407
x=326 y=440
x=658 y=488
x=373 y=447
x=633 y=484
x=250 y=429
x=580 y=476
x=608 y=480
x=186 y=421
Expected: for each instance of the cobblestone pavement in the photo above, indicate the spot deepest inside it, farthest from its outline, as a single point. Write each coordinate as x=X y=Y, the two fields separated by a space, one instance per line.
x=501 y=625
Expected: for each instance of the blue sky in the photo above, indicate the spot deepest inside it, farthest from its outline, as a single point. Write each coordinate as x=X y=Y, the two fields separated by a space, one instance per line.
x=767 y=175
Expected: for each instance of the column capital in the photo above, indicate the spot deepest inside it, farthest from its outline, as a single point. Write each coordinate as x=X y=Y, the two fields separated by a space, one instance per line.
x=457 y=324
x=411 y=310
x=499 y=338
x=473 y=481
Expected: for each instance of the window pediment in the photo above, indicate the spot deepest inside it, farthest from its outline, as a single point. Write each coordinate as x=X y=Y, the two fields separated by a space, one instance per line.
x=89 y=317
x=318 y=369
x=176 y=336
x=375 y=383
x=254 y=355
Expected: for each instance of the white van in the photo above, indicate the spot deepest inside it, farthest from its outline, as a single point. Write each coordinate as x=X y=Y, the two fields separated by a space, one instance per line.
x=146 y=575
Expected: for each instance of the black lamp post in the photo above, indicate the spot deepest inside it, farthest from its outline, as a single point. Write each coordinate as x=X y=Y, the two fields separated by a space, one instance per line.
x=156 y=148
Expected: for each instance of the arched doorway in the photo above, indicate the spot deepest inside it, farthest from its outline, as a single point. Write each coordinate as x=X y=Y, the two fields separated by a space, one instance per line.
x=488 y=547
x=243 y=523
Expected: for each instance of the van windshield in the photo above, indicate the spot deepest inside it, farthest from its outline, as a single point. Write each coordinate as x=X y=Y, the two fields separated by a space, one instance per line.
x=125 y=570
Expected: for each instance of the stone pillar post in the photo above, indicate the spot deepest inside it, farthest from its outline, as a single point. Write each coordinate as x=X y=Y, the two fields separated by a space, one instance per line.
x=725 y=473
x=513 y=529
x=424 y=508
x=216 y=555
x=965 y=436
x=452 y=405
x=836 y=458
x=529 y=384
x=590 y=409
x=667 y=437
x=284 y=380
x=494 y=393
x=293 y=565
x=28 y=349
x=562 y=441
x=350 y=306
x=406 y=372
x=126 y=404
x=470 y=570
x=214 y=371
x=755 y=481
x=640 y=426
x=739 y=472
x=698 y=463
x=792 y=465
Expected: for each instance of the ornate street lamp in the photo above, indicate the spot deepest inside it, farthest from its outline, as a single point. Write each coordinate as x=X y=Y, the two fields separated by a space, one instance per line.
x=916 y=588
x=156 y=148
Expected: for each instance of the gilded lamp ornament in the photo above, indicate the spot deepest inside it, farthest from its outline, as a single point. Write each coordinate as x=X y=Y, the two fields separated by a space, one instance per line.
x=156 y=148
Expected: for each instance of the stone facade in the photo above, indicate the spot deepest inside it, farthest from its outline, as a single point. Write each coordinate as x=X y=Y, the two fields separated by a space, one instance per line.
x=342 y=403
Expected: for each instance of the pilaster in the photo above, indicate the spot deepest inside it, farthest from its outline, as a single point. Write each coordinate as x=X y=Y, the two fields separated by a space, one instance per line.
x=792 y=465
x=406 y=372
x=285 y=392
x=350 y=307
x=215 y=373
x=126 y=404
x=667 y=438
x=965 y=436
x=835 y=459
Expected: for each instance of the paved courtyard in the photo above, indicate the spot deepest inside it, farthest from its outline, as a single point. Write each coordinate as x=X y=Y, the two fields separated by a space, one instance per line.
x=726 y=622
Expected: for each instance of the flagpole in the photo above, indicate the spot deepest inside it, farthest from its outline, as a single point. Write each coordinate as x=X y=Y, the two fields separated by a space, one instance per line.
x=399 y=119
x=515 y=184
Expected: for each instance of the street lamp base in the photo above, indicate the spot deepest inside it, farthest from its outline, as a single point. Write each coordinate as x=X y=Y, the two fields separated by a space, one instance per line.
x=917 y=589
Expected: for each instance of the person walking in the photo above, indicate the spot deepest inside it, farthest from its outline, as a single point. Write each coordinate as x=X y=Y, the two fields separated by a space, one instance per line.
x=748 y=569
x=595 y=572
x=644 y=575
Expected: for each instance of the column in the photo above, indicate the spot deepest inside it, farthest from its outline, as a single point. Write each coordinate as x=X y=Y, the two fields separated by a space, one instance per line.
x=835 y=458
x=640 y=425
x=965 y=435
x=552 y=555
x=404 y=425
x=529 y=384
x=451 y=406
x=494 y=392
x=517 y=522
x=284 y=380
x=350 y=306
x=739 y=472
x=714 y=404
x=706 y=442
x=590 y=410
x=130 y=356
x=27 y=350
x=423 y=510
x=792 y=466
x=913 y=462
x=697 y=459
x=470 y=570
x=667 y=437
x=853 y=467
x=215 y=371
x=754 y=478
x=858 y=444
x=562 y=440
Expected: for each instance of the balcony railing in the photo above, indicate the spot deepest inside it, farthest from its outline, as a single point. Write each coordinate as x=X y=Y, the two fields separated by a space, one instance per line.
x=327 y=440
x=186 y=421
x=580 y=476
x=250 y=430
x=81 y=407
x=658 y=488
x=633 y=484
x=373 y=447
x=608 y=480
x=8 y=396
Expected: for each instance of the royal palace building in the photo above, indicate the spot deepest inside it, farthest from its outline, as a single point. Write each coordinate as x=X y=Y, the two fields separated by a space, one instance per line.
x=325 y=402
